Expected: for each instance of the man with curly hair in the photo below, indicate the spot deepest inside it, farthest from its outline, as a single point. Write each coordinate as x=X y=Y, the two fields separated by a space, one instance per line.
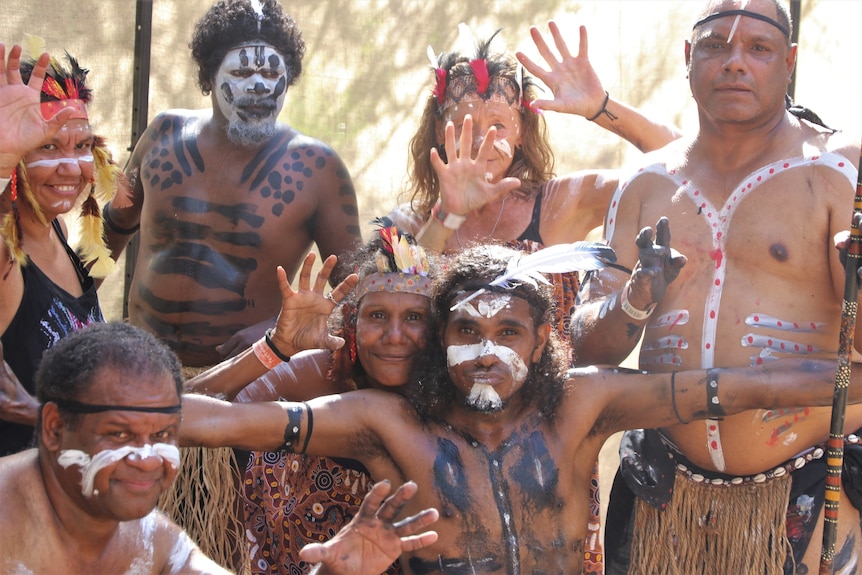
x=503 y=442
x=221 y=197
x=224 y=195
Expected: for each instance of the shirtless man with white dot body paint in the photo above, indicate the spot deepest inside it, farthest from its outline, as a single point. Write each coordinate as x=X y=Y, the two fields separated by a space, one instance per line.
x=753 y=201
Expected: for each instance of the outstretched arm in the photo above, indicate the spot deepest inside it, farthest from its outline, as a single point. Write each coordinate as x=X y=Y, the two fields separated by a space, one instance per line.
x=22 y=127
x=301 y=325
x=465 y=185
x=578 y=90
x=373 y=540
x=608 y=322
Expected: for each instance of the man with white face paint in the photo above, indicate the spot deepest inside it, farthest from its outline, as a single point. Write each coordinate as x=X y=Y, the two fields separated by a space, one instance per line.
x=221 y=197
x=751 y=292
x=503 y=442
x=84 y=500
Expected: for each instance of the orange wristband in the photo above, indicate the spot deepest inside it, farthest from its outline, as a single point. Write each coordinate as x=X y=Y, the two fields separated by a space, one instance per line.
x=264 y=354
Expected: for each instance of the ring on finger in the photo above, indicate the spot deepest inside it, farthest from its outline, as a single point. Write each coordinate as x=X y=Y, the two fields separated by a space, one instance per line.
x=330 y=298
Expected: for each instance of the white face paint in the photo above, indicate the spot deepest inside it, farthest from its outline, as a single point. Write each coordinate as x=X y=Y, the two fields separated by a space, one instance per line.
x=458 y=354
x=91 y=466
x=484 y=398
x=55 y=162
x=250 y=86
x=487 y=307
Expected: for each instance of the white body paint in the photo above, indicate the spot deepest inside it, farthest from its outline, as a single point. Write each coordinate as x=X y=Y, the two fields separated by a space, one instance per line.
x=718 y=220
x=90 y=466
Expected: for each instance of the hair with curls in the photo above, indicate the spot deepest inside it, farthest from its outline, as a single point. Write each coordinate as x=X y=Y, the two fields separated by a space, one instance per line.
x=230 y=23
x=68 y=370
x=363 y=261
x=465 y=272
x=533 y=161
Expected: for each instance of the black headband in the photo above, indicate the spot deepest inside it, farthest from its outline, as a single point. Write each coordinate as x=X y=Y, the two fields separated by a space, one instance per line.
x=78 y=407
x=748 y=13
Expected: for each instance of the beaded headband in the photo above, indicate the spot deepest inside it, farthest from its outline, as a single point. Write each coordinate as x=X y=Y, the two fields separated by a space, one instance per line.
x=481 y=76
x=402 y=266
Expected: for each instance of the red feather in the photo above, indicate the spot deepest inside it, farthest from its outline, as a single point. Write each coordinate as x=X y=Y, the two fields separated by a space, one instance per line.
x=440 y=87
x=480 y=70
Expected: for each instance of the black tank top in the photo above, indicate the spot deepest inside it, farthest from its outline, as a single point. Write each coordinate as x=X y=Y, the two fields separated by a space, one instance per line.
x=47 y=314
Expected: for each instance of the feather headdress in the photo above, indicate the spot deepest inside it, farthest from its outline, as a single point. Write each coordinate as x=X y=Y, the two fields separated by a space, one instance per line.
x=402 y=264
x=65 y=86
x=472 y=70
x=560 y=258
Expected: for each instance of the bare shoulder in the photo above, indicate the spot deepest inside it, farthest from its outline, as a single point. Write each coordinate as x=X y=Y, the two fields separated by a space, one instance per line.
x=25 y=505
x=174 y=552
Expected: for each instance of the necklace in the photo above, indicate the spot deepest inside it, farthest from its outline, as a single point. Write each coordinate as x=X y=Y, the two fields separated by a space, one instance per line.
x=494 y=229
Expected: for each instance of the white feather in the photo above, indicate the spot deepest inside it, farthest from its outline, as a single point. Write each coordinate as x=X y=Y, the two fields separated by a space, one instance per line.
x=432 y=57
x=560 y=258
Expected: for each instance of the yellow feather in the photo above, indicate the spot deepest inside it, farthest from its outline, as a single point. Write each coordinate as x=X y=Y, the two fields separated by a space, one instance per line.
x=33 y=46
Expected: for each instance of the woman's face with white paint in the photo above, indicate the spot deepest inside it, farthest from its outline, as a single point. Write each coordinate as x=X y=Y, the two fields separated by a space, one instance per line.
x=117 y=463
x=490 y=344
x=61 y=169
x=249 y=87
x=486 y=114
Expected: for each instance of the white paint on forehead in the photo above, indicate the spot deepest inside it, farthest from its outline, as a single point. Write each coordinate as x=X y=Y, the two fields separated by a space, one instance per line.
x=487 y=306
x=90 y=466
x=458 y=354
x=54 y=162
x=233 y=59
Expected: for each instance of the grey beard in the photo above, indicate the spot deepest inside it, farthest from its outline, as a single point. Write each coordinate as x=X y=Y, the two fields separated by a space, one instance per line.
x=250 y=135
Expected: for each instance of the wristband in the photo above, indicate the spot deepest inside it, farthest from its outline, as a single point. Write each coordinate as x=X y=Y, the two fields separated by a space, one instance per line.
x=273 y=347
x=3 y=183
x=263 y=353
x=448 y=220
x=604 y=110
x=631 y=310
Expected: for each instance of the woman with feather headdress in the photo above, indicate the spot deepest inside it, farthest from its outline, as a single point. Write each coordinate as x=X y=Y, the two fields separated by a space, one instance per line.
x=46 y=289
x=381 y=326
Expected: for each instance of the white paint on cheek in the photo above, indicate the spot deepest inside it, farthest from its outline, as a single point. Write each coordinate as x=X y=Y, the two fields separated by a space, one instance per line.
x=503 y=148
x=56 y=162
x=458 y=354
x=91 y=466
x=17 y=569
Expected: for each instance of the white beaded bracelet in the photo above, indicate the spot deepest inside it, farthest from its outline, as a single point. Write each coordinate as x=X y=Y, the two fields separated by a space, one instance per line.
x=631 y=310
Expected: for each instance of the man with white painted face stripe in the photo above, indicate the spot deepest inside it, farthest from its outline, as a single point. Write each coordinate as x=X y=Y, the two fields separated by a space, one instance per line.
x=109 y=415
x=221 y=197
x=224 y=195
x=504 y=441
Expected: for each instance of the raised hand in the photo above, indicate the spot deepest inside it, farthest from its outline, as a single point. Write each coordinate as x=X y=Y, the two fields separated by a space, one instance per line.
x=658 y=265
x=372 y=540
x=302 y=321
x=465 y=183
x=23 y=127
x=572 y=79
